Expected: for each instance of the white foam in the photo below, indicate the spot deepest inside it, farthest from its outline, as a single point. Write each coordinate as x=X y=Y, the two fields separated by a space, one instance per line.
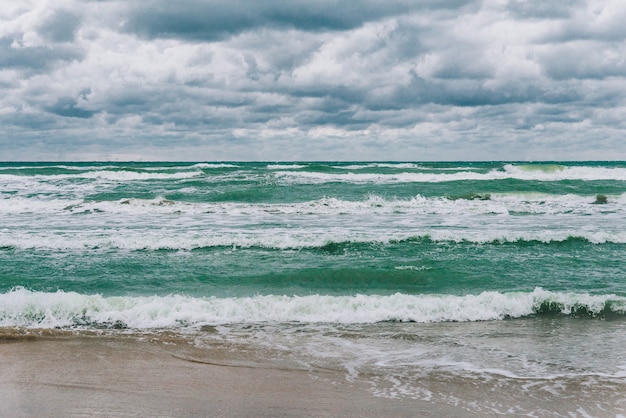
x=414 y=268
x=215 y=165
x=400 y=166
x=285 y=166
x=21 y=307
x=24 y=205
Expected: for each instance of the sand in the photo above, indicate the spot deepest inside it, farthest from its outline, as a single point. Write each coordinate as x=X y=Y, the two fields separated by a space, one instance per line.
x=102 y=376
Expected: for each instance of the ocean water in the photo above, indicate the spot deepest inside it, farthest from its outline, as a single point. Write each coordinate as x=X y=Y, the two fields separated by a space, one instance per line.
x=511 y=276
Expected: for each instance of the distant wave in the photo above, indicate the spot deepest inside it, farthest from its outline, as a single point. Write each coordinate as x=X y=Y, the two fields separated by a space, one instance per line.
x=119 y=166
x=25 y=308
x=115 y=175
x=285 y=166
x=58 y=166
x=133 y=175
x=215 y=165
x=509 y=171
x=399 y=166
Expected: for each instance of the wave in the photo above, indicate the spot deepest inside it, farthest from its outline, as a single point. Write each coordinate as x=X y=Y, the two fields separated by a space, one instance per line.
x=215 y=165
x=25 y=308
x=470 y=204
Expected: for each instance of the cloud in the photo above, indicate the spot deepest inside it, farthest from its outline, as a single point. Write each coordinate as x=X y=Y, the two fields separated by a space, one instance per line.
x=14 y=54
x=61 y=26
x=68 y=107
x=315 y=80
x=584 y=59
x=538 y=9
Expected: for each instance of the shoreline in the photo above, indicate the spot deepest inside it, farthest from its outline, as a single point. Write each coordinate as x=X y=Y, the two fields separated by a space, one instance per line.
x=164 y=373
x=119 y=376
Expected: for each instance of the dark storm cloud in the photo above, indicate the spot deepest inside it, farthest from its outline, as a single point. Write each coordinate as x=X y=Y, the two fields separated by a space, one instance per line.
x=217 y=19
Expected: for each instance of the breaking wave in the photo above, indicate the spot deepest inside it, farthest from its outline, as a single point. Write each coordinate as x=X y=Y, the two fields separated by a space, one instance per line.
x=24 y=308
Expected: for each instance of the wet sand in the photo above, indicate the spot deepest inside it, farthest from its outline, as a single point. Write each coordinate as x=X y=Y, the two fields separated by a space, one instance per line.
x=100 y=376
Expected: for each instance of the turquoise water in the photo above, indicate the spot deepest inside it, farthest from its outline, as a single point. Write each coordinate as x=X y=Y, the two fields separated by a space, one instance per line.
x=445 y=252
x=297 y=229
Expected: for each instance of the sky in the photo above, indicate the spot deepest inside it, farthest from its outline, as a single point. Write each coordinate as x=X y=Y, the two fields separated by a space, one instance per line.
x=275 y=80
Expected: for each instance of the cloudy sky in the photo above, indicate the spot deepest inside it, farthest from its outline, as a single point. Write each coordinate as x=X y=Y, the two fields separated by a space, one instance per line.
x=209 y=80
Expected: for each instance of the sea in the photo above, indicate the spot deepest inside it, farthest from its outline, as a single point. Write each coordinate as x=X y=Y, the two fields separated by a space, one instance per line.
x=496 y=287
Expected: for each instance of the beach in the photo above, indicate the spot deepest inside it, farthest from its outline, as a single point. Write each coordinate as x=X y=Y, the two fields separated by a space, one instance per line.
x=96 y=376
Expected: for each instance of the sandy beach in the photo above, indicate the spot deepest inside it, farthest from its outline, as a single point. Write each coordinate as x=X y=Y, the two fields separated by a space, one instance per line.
x=86 y=376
